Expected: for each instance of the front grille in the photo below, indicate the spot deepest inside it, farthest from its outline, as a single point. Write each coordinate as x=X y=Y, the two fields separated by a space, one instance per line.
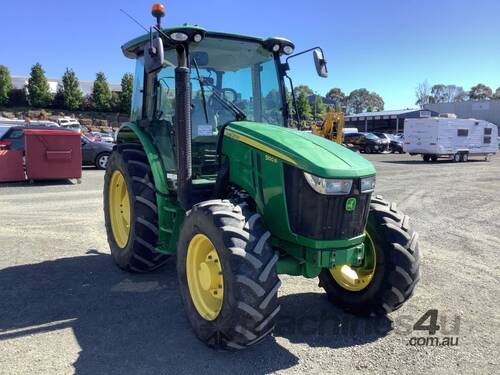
x=323 y=217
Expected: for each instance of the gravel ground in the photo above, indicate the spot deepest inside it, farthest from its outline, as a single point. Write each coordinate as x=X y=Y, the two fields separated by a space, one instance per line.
x=65 y=308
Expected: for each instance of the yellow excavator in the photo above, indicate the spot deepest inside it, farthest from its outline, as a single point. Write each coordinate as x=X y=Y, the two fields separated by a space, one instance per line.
x=331 y=128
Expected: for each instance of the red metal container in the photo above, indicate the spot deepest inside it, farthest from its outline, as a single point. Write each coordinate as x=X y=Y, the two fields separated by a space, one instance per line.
x=11 y=166
x=52 y=154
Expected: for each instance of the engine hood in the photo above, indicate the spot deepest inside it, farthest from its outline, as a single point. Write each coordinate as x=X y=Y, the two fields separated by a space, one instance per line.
x=308 y=152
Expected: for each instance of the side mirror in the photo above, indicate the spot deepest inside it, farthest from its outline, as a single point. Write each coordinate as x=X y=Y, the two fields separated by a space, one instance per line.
x=320 y=62
x=153 y=55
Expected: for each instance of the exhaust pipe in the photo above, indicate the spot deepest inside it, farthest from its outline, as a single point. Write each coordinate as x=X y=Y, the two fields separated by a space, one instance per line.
x=183 y=129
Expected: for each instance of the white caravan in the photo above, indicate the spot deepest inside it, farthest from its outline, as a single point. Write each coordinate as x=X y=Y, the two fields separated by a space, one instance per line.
x=456 y=139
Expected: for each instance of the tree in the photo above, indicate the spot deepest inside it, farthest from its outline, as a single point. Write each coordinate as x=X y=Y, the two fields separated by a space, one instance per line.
x=441 y=93
x=455 y=93
x=357 y=101
x=72 y=96
x=303 y=107
x=38 y=88
x=303 y=89
x=339 y=97
x=17 y=98
x=319 y=107
x=101 y=94
x=361 y=100
x=126 y=93
x=438 y=93
x=480 y=92
x=497 y=94
x=423 y=94
x=375 y=102
x=5 y=84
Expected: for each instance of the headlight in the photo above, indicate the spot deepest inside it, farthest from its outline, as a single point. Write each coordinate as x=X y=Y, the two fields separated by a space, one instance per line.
x=288 y=50
x=367 y=184
x=328 y=186
x=179 y=37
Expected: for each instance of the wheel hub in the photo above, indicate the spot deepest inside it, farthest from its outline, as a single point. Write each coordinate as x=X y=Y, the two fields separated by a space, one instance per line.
x=119 y=209
x=204 y=276
x=355 y=278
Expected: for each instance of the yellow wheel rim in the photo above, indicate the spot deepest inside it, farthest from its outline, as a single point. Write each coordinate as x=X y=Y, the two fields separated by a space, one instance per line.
x=119 y=209
x=204 y=277
x=353 y=278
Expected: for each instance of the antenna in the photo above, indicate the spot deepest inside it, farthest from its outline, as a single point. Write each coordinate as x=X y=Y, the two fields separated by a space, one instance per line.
x=133 y=19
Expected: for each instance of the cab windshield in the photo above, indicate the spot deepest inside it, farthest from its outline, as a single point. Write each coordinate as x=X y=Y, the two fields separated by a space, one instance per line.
x=238 y=77
x=231 y=80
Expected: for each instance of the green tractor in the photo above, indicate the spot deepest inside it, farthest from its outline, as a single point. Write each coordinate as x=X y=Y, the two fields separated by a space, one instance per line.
x=207 y=169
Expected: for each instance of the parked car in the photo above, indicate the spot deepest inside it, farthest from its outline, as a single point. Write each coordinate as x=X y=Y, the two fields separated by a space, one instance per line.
x=101 y=137
x=13 y=138
x=396 y=144
x=386 y=139
x=3 y=129
x=366 y=142
x=95 y=153
x=69 y=123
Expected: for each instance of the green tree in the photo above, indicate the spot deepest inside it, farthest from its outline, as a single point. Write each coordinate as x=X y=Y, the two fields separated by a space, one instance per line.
x=339 y=97
x=357 y=101
x=72 y=96
x=303 y=89
x=17 y=98
x=303 y=107
x=126 y=93
x=497 y=94
x=375 y=102
x=319 y=107
x=361 y=100
x=101 y=94
x=5 y=84
x=480 y=92
x=38 y=88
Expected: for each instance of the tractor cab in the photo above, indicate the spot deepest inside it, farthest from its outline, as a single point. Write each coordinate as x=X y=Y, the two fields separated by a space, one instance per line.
x=226 y=78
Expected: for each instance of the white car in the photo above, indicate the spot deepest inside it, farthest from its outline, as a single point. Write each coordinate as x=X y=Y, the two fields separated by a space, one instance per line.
x=69 y=122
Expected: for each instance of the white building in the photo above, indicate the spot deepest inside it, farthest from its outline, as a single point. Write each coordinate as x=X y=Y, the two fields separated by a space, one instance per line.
x=488 y=110
x=20 y=82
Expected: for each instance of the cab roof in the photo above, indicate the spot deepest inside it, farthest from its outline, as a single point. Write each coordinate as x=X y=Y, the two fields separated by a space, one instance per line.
x=134 y=47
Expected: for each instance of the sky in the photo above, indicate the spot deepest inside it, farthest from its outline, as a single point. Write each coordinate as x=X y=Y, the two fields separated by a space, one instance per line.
x=386 y=46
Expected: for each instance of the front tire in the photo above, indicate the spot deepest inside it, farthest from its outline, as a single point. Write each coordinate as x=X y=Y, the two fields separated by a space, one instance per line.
x=130 y=210
x=395 y=268
x=231 y=304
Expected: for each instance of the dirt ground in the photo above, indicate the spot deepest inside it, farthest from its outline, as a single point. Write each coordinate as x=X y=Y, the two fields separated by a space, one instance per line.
x=65 y=307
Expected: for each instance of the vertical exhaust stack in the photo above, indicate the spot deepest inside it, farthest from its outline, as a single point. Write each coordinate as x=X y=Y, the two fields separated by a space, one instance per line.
x=183 y=129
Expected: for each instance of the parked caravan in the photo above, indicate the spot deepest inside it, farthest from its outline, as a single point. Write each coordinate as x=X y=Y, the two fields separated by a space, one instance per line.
x=456 y=139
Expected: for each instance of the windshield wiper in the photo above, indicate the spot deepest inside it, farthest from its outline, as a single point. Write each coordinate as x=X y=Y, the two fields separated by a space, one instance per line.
x=238 y=112
x=202 y=89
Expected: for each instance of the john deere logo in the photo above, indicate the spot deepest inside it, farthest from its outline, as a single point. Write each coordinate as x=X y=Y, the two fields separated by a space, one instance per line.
x=350 y=204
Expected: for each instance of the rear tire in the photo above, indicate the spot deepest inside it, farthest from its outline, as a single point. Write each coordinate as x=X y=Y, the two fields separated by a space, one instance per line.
x=248 y=267
x=434 y=158
x=465 y=157
x=139 y=254
x=457 y=158
x=426 y=158
x=397 y=269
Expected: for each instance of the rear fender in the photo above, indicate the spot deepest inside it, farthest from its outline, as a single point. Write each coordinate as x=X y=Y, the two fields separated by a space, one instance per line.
x=170 y=215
